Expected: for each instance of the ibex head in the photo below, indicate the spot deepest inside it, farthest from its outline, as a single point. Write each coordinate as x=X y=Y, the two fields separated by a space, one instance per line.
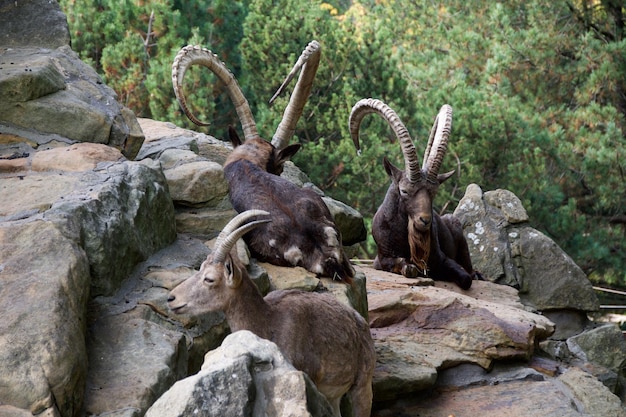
x=271 y=156
x=416 y=186
x=215 y=284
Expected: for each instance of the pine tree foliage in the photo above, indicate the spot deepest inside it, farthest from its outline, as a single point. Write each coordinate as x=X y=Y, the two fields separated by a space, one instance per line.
x=538 y=90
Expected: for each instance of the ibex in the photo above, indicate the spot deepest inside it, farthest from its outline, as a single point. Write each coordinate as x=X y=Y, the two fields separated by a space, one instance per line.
x=302 y=231
x=412 y=238
x=327 y=340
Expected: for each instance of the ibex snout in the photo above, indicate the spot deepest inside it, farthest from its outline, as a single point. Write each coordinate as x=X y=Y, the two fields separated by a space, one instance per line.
x=421 y=210
x=175 y=305
x=425 y=220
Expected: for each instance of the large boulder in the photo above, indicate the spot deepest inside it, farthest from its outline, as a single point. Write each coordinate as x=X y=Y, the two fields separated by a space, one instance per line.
x=132 y=361
x=121 y=214
x=47 y=93
x=246 y=376
x=66 y=236
x=33 y=23
x=420 y=329
x=507 y=250
x=44 y=288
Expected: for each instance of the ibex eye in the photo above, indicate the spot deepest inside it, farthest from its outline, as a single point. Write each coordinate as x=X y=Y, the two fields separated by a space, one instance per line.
x=209 y=280
x=403 y=193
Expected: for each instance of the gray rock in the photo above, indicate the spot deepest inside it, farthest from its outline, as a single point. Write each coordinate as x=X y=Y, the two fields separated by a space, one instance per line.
x=551 y=279
x=198 y=183
x=604 y=345
x=44 y=286
x=594 y=398
x=568 y=322
x=43 y=85
x=487 y=238
x=508 y=204
x=348 y=220
x=161 y=136
x=246 y=376
x=508 y=251
x=33 y=23
x=207 y=221
x=121 y=214
x=132 y=361
x=295 y=174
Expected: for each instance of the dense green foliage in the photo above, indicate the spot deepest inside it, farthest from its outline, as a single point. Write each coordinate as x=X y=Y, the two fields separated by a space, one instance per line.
x=538 y=90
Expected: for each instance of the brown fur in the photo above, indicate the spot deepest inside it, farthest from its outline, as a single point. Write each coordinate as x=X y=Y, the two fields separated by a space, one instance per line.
x=257 y=151
x=298 y=234
x=410 y=235
x=319 y=335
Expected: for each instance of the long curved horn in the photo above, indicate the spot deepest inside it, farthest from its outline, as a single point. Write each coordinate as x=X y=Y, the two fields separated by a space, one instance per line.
x=236 y=228
x=309 y=62
x=437 y=143
x=371 y=105
x=196 y=55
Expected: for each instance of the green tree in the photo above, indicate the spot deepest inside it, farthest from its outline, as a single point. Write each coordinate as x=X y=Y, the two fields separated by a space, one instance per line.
x=538 y=90
x=132 y=45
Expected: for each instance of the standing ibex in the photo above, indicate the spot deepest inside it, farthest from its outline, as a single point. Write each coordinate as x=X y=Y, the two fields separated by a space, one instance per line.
x=411 y=237
x=302 y=232
x=327 y=340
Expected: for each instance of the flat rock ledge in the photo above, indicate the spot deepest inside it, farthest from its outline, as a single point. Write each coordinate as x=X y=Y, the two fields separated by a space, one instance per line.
x=442 y=351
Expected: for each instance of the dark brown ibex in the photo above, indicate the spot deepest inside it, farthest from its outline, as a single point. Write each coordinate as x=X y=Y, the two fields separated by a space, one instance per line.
x=412 y=238
x=327 y=340
x=302 y=231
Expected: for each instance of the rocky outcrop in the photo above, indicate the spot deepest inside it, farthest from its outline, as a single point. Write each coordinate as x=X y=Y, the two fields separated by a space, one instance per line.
x=91 y=243
x=106 y=227
x=507 y=250
x=47 y=94
x=510 y=392
x=67 y=235
x=245 y=376
x=444 y=351
x=428 y=337
x=422 y=329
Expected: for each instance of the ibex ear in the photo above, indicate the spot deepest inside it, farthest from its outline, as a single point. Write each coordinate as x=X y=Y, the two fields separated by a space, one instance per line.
x=442 y=177
x=394 y=172
x=234 y=137
x=231 y=274
x=287 y=152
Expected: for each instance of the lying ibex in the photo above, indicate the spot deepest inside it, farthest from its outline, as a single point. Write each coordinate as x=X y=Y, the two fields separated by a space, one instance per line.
x=327 y=340
x=413 y=239
x=302 y=231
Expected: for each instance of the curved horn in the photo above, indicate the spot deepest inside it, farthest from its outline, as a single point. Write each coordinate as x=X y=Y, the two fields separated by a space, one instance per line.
x=195 y=55
x=437 y=142
x=371 y=105
x=236 y=228
x=309 y=62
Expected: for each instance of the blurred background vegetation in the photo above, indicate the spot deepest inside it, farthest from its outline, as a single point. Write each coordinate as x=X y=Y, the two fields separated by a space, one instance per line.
x=538 y=90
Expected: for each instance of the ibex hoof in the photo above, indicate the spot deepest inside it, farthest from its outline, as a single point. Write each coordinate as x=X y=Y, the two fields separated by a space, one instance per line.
x=465 y=282
x=478 y=276
x=410 y=271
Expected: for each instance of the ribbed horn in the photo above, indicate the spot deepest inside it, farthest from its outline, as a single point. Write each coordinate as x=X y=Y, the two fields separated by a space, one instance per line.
x=235 y=229
x=371 y=105
x=437 y=143
x=309 y=62
x=196 y=55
